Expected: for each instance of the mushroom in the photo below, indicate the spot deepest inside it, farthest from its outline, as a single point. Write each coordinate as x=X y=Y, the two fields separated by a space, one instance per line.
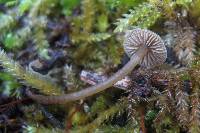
x=143 y=46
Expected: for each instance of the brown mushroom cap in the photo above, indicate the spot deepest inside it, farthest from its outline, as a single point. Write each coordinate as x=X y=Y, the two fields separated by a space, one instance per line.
x=156 y=51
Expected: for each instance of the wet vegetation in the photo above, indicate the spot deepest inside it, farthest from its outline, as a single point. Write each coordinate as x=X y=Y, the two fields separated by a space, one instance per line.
x=55 y=47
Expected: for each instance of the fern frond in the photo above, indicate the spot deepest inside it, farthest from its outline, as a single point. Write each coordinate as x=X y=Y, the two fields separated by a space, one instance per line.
x=69 y=78
x=184 y=3
x=41 y=7
x=168 y=7
x=24 y=5
x=29 y=78
x=164 y=123
x=39 y=37
x=167 y=102
x=194 y=126
x=99 y=105
x=16 y=40
x=88 y=7
x=90 y=38
x=129 y=128
x=185 y=46
x=108 y=114
x=142 y=16
x=6 y=22
x=182 y=107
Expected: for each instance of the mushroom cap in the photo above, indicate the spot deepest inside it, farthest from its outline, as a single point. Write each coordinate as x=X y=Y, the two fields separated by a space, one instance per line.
x=156 y=53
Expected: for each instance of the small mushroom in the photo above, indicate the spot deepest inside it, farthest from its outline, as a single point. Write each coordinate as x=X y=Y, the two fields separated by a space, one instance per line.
x=144 y=47
x=154 y=51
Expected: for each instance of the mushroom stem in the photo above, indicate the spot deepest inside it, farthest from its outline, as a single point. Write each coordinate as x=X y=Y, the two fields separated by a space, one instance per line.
x=134 y=60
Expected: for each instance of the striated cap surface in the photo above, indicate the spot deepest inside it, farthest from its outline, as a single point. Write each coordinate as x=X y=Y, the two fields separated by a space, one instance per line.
x=156 y=53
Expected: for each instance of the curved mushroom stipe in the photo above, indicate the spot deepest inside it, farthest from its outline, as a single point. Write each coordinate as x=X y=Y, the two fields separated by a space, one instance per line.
x=90 y=90
x=145 y=47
